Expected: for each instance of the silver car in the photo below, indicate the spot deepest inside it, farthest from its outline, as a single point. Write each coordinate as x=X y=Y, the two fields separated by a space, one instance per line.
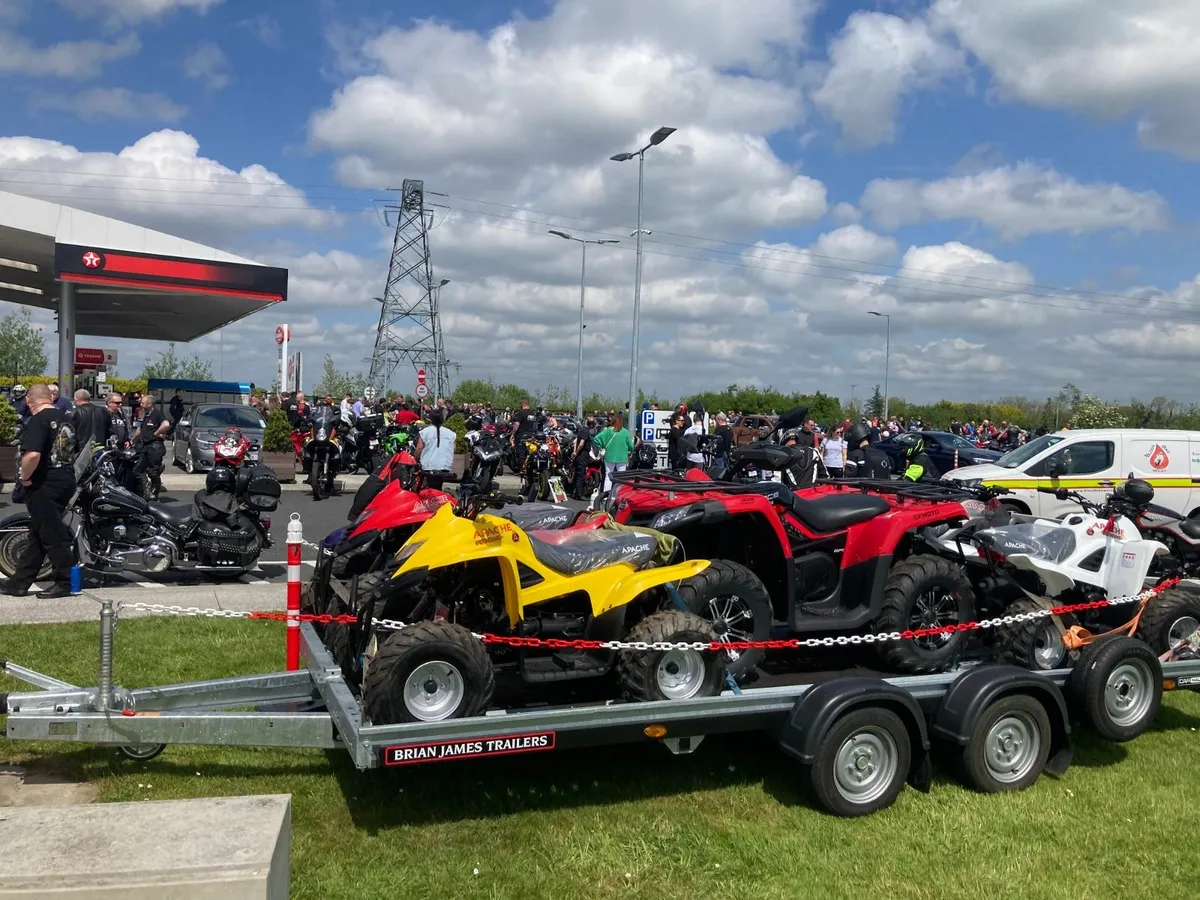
x=203 y=424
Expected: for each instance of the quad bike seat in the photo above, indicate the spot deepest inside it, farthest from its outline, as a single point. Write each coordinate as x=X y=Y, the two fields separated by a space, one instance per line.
x=1038 y=541
x=824 y=515
x=576 y=552
x=539 y=516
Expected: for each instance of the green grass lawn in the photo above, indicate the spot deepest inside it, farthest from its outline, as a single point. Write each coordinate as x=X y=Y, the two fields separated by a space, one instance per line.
x=731 y=820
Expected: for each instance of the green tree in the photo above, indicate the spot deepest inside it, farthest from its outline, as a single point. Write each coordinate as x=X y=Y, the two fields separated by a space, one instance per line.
x=336 y=383
x=169 y=364
x=474 y=390
x=22 y=345
x=875 y=404
x=1092 y=412
x=8 y=422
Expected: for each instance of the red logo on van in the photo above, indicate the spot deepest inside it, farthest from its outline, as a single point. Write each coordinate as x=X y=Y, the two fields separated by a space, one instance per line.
x=1158 y=458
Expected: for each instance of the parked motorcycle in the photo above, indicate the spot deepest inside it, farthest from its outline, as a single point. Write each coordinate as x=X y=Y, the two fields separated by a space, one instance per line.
x=366 y=440
x=323 y=450
x=222 y=532
x=485 y=451
x=543 y=461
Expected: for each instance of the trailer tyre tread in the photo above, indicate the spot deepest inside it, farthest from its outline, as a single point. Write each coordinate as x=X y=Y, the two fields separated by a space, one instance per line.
x=1024 y=712
x=874 y=721
x=637 y=670
x=1089 y=685
x=906 y=582
x=404 y=650
x=724 y=578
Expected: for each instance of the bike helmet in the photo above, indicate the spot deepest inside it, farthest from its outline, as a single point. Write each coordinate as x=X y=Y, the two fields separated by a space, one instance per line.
x=19 y=391
x=1136 y=491
x=857 y=434
x=789 y=436
x=220 y=478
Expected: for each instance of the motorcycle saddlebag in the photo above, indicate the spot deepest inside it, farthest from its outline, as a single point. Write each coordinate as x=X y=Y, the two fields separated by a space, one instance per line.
x=262 y=490
x=215 y=507
x=219 y=545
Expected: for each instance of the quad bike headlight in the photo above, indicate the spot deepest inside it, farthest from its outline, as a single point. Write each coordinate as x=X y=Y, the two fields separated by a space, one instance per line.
x=407 y=551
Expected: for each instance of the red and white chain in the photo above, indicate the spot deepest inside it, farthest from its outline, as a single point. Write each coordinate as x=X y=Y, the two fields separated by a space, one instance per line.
x=583 y=644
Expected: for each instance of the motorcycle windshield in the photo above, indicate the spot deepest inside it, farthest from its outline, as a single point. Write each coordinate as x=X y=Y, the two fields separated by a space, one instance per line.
x=325 y=417
x=1041 y=541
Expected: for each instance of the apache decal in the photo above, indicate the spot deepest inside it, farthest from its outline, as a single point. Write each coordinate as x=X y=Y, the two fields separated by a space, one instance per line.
x=444 y=750
x=491 y=534
x=1159 y=458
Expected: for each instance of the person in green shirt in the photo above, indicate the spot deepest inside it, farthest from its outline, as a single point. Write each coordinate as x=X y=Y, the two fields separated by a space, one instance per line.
x=615 y=443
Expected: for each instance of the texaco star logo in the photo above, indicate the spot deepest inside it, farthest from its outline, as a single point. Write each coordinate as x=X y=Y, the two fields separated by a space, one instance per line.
x=91 y=259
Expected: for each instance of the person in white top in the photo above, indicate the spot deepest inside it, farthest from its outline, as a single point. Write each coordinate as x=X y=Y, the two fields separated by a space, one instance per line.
x=697 y=430
x=435 y=450
x=833 y=452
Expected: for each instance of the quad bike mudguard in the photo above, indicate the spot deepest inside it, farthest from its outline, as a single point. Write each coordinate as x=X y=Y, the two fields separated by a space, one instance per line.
x=590 y=561
x=1124 y=571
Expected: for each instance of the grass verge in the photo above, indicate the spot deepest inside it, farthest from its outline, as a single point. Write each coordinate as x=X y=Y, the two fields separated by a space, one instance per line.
x=730 y=820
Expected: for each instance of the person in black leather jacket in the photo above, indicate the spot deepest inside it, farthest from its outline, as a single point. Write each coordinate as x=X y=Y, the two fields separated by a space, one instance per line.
x=89 y=422
x=863 y=460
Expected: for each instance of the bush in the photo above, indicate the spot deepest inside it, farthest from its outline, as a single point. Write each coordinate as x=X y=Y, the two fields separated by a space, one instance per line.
x=8 y=422
x=458 y=424
x=277 y=436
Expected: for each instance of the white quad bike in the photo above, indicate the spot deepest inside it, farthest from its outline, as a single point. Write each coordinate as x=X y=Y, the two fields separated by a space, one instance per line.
x=1098 y=553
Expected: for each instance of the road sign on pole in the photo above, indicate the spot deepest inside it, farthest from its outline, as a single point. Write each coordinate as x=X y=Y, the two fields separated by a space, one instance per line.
x=420 y=376
x=422 y=390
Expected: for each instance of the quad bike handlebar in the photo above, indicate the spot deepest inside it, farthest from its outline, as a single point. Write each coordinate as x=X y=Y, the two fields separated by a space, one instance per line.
x=471 y=505
x=1119 y=502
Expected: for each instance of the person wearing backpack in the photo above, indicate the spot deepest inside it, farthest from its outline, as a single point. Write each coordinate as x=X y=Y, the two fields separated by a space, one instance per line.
x=615 y=443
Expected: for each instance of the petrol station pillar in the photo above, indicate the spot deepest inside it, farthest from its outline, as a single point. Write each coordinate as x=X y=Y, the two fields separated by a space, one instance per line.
x=66 y=338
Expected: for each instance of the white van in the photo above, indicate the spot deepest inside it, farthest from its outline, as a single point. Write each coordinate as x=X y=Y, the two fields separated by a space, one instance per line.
x=1094 y=461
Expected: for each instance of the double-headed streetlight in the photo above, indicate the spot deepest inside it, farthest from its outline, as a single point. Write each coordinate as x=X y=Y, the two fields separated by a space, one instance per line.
x=887 y=355
x=657 y=138
x=582 y=290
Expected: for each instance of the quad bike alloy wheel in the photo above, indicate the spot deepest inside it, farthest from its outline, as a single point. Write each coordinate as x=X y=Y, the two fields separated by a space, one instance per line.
x=736 y=602
x=1170 y=618
x=925 y=592
x=676 y=674
x=1117 y=686
x=1036 y=644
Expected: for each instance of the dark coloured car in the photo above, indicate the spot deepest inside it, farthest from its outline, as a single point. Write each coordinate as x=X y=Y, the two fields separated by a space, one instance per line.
x=206 y=423
x=941 y=447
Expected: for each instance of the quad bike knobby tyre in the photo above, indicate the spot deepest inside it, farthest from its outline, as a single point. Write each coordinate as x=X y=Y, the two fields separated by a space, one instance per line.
x=925 y=592
x=428 y=672
x=1169 y=617
x=861 y=763
x=737 y=604
x=671 y=674
x=1035 y=644
x=1117 y=686
x=1009 y=746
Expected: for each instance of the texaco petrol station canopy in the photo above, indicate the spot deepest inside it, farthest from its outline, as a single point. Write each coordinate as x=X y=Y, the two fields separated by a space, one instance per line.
x=112 y=279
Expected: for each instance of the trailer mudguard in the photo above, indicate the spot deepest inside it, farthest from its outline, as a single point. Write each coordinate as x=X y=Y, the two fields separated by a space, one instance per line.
x=975 y=690
x=821 y=706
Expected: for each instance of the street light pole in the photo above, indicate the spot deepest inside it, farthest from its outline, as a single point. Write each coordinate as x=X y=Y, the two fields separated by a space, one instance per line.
x=633 y=420
x=437 y=345
x=887 y=355
x=582 y=294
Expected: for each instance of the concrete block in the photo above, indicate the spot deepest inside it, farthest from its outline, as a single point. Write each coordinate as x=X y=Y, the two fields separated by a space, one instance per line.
x=224 y=848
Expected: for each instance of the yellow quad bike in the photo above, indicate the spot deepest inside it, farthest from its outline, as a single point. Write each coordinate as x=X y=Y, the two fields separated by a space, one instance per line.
x=464 y=574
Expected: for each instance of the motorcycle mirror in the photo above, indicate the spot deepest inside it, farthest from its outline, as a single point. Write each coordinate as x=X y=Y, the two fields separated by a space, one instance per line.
x=1062 y=493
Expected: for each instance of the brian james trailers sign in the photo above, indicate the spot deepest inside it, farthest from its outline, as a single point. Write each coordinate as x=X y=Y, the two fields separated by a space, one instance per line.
x=437 y=751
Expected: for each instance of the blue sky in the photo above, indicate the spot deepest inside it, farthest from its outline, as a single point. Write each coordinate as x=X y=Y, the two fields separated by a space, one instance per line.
x=1017 y=190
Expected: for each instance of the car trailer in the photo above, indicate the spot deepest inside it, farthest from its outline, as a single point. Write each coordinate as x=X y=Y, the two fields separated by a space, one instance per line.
x=858 y=738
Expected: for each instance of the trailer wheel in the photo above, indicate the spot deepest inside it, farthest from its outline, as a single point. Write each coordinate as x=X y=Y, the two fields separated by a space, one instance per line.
x=671 y=674
x=737 y=604
x=1035 y=644
x=1169 y=618
x=1009 y=745
x=142 y=752
x=862 y=762
x=428 y=672
x=925 y=592
x=1117 y=685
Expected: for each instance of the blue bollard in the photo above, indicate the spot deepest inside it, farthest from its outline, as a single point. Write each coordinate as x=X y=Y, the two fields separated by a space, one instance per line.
x=76 y=579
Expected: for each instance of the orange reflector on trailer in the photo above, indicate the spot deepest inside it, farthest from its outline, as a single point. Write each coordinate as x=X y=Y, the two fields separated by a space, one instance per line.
x=655 y=731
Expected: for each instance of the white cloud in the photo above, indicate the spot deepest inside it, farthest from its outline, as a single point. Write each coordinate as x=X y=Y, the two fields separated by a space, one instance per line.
x=1106 y=59
x=874 y=62
x=67 y=59
x=532 y=111
x=138 y=10
x=114 y=103
x=208 y=64
x=1017 y=201
x=160 y=181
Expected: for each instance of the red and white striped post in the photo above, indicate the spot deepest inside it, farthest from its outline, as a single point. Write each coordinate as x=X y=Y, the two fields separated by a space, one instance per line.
x=295 y=540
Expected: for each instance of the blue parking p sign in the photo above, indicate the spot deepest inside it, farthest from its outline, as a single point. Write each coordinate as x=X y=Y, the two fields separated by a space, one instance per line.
x=648 y=433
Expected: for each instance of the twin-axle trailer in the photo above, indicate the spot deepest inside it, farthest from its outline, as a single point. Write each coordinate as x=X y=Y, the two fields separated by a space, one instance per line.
x=859 y=739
